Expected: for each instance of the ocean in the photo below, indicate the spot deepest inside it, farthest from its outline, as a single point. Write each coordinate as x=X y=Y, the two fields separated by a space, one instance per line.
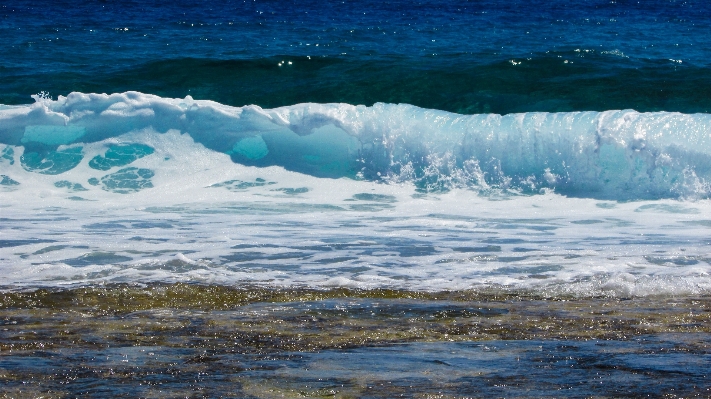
x=355 y=199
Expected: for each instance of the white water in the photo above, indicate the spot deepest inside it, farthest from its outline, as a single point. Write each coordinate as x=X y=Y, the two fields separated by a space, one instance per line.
x=291 y=229
x=106 y=199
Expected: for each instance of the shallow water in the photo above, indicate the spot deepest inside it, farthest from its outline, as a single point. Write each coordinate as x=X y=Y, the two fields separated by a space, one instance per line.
x=203 y=341
x=644 y=367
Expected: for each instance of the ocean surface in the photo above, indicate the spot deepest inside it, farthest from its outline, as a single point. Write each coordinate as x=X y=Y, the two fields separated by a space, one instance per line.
x=420 y=170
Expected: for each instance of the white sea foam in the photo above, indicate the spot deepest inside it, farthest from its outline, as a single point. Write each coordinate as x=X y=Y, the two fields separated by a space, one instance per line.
x=150 y=192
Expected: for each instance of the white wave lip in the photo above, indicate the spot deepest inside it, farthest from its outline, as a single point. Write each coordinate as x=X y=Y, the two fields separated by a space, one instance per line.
x=607 y=155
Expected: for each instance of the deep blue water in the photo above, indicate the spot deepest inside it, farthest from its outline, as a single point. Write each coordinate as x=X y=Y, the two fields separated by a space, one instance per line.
x=466 y=57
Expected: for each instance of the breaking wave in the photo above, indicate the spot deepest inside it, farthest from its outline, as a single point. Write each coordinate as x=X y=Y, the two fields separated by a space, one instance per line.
x=616 y=155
